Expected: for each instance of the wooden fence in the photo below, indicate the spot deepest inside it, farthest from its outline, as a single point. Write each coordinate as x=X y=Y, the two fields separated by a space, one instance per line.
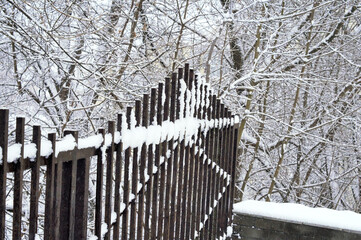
x=164 y=170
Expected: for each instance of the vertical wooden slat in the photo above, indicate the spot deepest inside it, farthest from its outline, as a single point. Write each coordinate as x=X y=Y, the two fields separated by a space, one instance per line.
x=4 y=125
x=228 y=169
x=218 y=186
x=142 y=172
x=109 y=180
x=186 y=165
x=168 y=160
x=18 y=180
x=172 y=117
x=34 y=192
x=58 y=195
x=81 y=199
x=155 y=205
x=204 y=162
x=125 y=213
x=234 y=161
x=135 y=169
x=208 y=169
x=163 y=165
x=99 y=189
x=221 y=218
x=180 y=150
x=50 y=224
x=217 y=148
x=150 y=168
x=223 y=215
x=199 y=163
x=118 y=177
x=211 y=155
x=190 y=163
x=67 y=214
x=196 y=183
x=81 y=196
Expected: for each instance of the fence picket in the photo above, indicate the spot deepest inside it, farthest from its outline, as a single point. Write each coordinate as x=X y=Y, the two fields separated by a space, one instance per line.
x=108 y=180
x=155 y=204
x=99 y=189
x=179 y=151
x=212 y=154
x=118 y=177
x=4 y=125
x=150 y=186
x=135 y=177
x=164 y=149
x=174 y=161
x=168 y=158
x=180 y=187
x=18 y=179
x=125 y=213
x=81 y=198
x=204 y=163
x=142 y=172
x=68 y=190
x=186 y=151
x=58 y=195
x=220 y=217
x=195 y=184
x=50 y=227
x=198 y=190
x=34 y=192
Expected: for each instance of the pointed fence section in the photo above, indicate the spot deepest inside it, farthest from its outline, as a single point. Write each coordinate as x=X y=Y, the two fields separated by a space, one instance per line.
x=163 y=170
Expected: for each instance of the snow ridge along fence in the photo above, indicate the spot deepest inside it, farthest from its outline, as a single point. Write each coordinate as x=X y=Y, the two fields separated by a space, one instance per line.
x=163 y=170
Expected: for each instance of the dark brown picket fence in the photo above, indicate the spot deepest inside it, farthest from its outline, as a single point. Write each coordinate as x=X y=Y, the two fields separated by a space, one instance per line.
x=179 y=187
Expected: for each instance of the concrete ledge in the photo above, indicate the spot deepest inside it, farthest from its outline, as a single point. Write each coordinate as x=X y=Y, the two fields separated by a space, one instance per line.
x=250 y=227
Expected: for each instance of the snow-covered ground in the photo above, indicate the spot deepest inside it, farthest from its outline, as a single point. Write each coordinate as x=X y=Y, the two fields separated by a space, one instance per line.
x=298 y=213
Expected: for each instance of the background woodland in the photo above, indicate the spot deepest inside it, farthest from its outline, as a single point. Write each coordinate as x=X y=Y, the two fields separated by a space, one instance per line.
x=290 y=69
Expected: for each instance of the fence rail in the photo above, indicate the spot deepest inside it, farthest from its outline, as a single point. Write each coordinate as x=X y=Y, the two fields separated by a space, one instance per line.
x=164 y=170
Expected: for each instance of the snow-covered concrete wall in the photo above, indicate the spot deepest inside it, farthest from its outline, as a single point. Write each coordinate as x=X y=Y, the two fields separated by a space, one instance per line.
x=250 y=227
x=284 y=221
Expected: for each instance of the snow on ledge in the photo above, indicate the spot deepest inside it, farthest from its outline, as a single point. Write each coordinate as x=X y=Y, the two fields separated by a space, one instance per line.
x=297 y=213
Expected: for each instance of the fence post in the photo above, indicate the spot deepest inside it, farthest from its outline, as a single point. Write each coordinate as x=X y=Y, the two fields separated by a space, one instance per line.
x=161 y=168
x=150 y=186
x=126 y=183
x=200 y=192
x=174 y=103
x=18 y=179
x=142 y=172
x=180 y=151
x=81 y=198
x=204 y=163
x=99 y=189
x=109 y=181
x=191 y=163
x=234 y=161
x=118 y=177
x=67 y=216
x=135 y=166
x=4 y=125
x=167 y=165
x=35 y=166
x=185 y=154
x=51 y=228
x=156 y=163
x=57 y=192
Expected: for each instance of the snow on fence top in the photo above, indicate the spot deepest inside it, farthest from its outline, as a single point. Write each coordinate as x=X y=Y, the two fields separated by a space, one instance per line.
x=174 y=151
x=291 y=212
x=186 y=127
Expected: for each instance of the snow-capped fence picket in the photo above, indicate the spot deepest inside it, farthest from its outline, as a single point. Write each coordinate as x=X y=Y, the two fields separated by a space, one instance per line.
x=164 y=170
